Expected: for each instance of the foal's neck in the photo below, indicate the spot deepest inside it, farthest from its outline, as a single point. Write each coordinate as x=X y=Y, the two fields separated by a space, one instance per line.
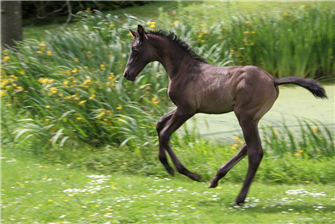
x=175 y=61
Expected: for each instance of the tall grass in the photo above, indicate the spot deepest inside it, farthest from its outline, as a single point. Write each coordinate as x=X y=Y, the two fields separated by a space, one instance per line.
x=312 y=140
x=68 y=90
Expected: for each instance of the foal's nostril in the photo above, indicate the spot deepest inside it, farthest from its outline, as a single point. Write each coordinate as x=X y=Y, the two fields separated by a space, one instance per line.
x=125 y=74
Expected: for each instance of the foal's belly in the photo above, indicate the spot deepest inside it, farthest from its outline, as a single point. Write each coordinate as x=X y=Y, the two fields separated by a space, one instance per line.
x=216 y=104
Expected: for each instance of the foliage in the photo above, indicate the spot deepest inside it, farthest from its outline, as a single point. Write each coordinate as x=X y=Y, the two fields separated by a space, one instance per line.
x=312 y=141
x=65 y=98
x=283 y=41
x=46 y=12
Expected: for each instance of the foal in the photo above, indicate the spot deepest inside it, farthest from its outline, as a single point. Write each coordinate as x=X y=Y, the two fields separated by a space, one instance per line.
x=198 y=87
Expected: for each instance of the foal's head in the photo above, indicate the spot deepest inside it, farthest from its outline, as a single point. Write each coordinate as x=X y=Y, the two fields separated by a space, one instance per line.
x=141 y=53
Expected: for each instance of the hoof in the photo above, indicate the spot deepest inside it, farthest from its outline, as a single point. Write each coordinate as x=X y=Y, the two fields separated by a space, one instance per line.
x=213 y=183
x=237 y=203
x=170 y=170
x=195 y=176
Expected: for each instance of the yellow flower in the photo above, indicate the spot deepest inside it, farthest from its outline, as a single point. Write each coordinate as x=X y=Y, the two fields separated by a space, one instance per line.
x=111 y=25
x=47 y=119
x=155 y=100
x=247 y=22
x=39 y=52
x=7 y=58
x=202 y=41
x=51 y=81
x=9 y=104
x=3 y=93
x=49 y=52
x=78 y=118
x=236 y=137
x=66 y=83
x=234 y=146
x=87 y=81
x=307 y=182
x=42 y=44
x=296 y=154
x=119 y=107
x=102 y=66
x=112 y=76
x=175 y=22
x=246 y=32
x=253 y=31
x=53 y=90
x=3 y=72
x=5 y=51
x=74 y=70
x=300 y=150
x=19 y=88
x=47 y=106
x=85 y=67
x=152 y=24
x=91 y=97
x=76 y=59
x=82 y=102
x=67 y=97
x=315 y=129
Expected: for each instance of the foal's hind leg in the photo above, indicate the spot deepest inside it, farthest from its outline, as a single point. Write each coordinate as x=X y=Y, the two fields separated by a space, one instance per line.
x=223 y=170
x=255 y=155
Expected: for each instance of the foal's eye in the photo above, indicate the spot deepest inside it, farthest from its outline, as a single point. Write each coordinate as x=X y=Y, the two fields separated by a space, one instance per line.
x=135 y=50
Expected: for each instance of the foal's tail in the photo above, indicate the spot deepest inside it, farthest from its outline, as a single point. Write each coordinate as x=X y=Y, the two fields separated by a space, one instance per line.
x=313 y=86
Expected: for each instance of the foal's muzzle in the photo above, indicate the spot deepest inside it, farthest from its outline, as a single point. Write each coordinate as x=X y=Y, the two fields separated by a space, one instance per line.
x=128 y=76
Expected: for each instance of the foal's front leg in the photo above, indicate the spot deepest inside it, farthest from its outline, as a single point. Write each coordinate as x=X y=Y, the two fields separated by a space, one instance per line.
x=161 y=152
x=178 y=118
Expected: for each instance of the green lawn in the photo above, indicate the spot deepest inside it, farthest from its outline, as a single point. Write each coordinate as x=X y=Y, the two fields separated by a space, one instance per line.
x=34 y=191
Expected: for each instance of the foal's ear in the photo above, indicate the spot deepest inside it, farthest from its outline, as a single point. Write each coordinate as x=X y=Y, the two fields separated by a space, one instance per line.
x=133 y=33
x=141 y=32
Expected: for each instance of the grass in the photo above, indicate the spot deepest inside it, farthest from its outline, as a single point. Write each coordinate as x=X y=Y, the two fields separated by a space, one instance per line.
x=35 y=191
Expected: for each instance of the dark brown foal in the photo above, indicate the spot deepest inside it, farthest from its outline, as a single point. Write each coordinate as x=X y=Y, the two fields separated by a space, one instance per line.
x=198 y=87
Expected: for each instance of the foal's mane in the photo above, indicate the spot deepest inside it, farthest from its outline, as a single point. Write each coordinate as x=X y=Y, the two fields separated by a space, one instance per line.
x=182 y=44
